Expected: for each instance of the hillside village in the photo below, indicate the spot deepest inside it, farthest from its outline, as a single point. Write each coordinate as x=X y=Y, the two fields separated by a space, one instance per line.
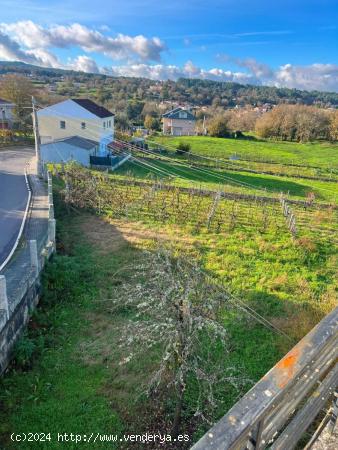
x=168 y=262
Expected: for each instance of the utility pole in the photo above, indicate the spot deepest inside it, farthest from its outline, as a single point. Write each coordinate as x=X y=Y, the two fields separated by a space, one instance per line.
x=37 y=140
x=3 y=122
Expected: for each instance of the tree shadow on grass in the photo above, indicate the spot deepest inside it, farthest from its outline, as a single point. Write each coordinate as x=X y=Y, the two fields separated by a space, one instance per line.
x=256 y=183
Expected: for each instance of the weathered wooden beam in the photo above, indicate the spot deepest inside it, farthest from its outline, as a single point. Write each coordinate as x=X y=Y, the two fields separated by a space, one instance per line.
x=235 y=427
x=300 y=423
x=293 y=396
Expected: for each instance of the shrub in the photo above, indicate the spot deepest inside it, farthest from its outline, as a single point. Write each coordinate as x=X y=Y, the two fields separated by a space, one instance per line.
x=183 y=148
x=26 y=348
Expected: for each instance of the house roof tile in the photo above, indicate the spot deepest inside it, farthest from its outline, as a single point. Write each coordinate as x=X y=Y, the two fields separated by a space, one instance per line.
x=175 y=114
x=77 y=141
x=92 y=107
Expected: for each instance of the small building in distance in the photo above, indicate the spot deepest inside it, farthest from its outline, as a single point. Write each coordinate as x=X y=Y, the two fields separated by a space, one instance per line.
x=179 y=122
x=6 y=114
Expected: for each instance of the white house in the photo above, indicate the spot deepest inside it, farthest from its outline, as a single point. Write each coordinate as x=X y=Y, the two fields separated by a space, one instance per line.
x=77 y=117
x=78 y=130
x=6 y=114
x=179 y=122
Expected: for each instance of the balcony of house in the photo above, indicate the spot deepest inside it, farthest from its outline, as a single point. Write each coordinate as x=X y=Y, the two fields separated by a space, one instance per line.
x=108 y=161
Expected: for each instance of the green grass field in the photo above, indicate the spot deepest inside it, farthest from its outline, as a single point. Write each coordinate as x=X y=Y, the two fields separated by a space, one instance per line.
x=250 y=177
x=231 y=181
x=68 y=375
x=318 y=154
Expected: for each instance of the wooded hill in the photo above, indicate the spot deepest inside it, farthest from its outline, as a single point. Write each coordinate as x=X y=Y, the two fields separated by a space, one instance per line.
x=193 y=91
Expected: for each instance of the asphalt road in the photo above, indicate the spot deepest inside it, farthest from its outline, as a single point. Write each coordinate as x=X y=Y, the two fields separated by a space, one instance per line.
x=13 y=195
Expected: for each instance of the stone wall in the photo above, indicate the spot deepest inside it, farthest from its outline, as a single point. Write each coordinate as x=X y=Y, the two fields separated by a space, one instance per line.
x=20 y=280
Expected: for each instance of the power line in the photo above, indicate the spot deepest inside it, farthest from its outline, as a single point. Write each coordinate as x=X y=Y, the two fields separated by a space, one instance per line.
x=235 y=166
x=243 y=306
x=202 y=171
x=194 y=154
x=165 y=172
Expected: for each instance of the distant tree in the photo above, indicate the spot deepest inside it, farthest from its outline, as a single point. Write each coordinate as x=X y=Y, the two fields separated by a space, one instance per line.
x=151 y=123
x=134 y=109
x=165 y=93
x=19 y=90
x=151 y=109
x=243 y=119
x=294 y=122
x=218 y=127
x=102 y=95
x=121 y=122
x=195 y=91
x=334 y=126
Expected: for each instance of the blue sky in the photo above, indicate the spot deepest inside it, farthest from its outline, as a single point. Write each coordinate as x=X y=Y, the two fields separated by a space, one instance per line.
x=284 y=43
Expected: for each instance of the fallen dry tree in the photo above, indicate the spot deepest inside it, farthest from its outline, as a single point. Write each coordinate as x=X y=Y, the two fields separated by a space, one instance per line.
x=176 y=311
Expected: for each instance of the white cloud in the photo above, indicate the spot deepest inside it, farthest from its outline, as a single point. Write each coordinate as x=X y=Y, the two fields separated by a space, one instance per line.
x=154 y=72
x=190 y=69
x=31 y=43
x=121 y=47
x=259 y=70
x=44 y=58
x=171 y=72
x=322 y=77
x=11 y=51
x=83 y=63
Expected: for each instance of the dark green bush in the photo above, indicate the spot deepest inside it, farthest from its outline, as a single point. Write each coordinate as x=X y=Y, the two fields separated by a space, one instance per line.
x=183 y=148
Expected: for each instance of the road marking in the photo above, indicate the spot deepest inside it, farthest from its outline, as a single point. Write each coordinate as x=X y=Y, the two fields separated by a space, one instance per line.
x=3 y=265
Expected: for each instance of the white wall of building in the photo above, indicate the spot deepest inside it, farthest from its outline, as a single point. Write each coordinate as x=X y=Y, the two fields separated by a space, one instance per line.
x=77 y=122
x=58 y=152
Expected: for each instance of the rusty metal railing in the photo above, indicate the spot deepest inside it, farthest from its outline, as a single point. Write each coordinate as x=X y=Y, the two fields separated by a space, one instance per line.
x=279 y=409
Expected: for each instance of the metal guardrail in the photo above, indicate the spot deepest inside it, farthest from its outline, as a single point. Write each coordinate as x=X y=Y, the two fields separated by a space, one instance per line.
x=279 y=409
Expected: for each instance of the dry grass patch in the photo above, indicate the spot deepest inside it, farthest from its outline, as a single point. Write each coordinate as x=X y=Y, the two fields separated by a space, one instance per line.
x=110 y=235
x=303 y=317
x=101 y=234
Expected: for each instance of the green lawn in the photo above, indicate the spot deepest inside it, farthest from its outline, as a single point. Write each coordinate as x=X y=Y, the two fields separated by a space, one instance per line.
x=231 y=181
x=68 y=375
x=310 y=154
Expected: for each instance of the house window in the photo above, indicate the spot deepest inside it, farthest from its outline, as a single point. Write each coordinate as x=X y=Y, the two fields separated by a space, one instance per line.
x=109 y=123
x=104 y=124
x=182 y=115
x=62 y=124
x=83 y=125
